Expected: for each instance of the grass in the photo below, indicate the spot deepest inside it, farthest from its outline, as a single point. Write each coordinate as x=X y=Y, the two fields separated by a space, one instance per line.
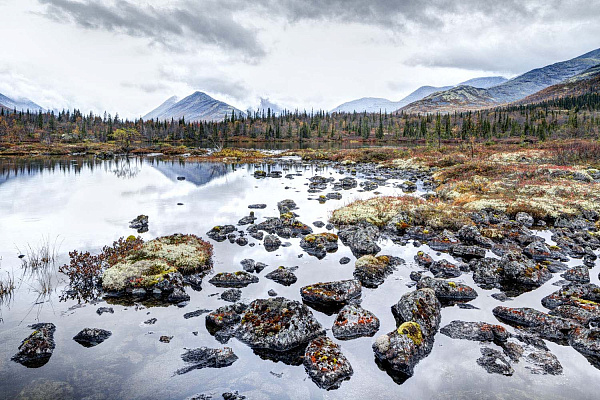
x=7 y=287
x=40 y=257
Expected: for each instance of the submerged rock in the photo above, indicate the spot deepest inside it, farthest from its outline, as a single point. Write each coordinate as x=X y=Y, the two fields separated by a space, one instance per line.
x=283 y=276
x=326 y=364
x=278 y=324
x=371 y=271
x=205 y=357
x=494 y=362
x=331 y=294
x=237 y=279
x=353 y=321
x=102 y=310
x=35 y=351
x=319 y=244
x=478 y=331
x=447 y=291
x=90 y=337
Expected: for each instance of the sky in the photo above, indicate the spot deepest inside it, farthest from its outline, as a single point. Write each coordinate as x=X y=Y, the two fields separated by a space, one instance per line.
x=128 y=56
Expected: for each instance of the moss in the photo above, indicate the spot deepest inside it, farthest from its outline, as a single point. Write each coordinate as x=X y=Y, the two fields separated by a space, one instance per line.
x=412 y=330
x=451 y=284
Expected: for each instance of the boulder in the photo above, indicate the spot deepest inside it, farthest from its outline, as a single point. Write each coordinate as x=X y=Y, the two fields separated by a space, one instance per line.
x=319 y=244
x=534 y=321
x=447 y=291
x=237 y=279
x=445 y=269
x=331 y=294
x=362 y=239
x=90 y=337
x=353 y=321
x=371 y=271
x=326 y=364
x=35 y=350
x=205 y=357
x=282 y=275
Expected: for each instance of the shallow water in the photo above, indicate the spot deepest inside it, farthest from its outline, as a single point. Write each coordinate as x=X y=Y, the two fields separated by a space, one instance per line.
x=78 y=203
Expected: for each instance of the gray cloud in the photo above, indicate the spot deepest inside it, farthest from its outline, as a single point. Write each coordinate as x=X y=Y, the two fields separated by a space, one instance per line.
x=177 y=28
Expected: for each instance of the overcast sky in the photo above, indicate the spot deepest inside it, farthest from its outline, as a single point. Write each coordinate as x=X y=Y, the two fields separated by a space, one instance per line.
x=128 y=56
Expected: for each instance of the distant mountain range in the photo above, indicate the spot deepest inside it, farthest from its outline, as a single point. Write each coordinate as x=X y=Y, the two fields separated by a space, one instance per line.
x=373 y=104
x=196 y=107
x=19 y=104
x=464 y=98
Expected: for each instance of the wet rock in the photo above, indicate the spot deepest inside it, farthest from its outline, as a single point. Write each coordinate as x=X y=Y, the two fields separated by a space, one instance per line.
x=260 y=174
x=500 y=297
x=102 y=310
x=233 y=396
x=231 y=295
x=416 y=275
x=35 y=351
x=582 y=313
x=362 y=239
x=573 y=294
x=538 y=251
x=319 y=224
x=241 y=241
x=165 y=339
x=579 y=274
x=282 y=275
x=477 y=331
x=272 y=293
x=219 y=233
x=90 y=337
x=285 y=206
x=487 y=272
x=140 y=223
x=524 y=219
x=523 y=271
x=353 y=321
x=257 y=206
x=447 y=291
x=194 y=314
x=222 y=322
x=334 y=196
x=344 y=260
x=275 y=174
x=418 y=316
x=467 y=252
x=319 y=244
x=205 y=357
x=278 y=324
x=178 y=295
x=534 y=321
x=194 y=280
x=331 y=294
x=247 y=220
x=250 y=265
x=272 y=243
x=237 y=279
x=348 y=183
x=586 y=341
x=444 y=269
x=371 y=271
x=326 y=364
x=494 y=362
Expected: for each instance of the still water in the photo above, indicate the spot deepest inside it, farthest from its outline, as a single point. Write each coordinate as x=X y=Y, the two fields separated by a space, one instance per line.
x=84 y=204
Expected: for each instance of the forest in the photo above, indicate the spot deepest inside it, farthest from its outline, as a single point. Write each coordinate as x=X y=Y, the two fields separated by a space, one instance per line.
x=567 y=117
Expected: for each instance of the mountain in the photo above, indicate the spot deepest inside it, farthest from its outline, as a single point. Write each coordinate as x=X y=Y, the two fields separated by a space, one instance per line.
x=266 y=104
x=485 y=82
x=197 y=173
x=510 y=91
x=171 y=101
x=459 y=98
x=586 y=82
x=20 y=104
x=196 y=107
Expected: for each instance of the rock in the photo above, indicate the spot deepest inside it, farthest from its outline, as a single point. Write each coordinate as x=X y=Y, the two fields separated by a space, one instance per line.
x=447 y=291
x=272 y=293
x=165 y=339
x=470 y=235
x=247 y=220
x=285 y=206
x=477 y=331
x=140 y=223
x=237 y=279
x=319 y=244
x=582 y=313
x=467 y=252
x=353 y=321
x=418 y=314
x=344 y=260
x=260 y=174
x=233 y=396
x=150 y=321
x=223 y=320
x=362 y=239
x=573 y=294
x=194 y=280
x=283 y=276
x=371 y=271
x=326 y=364
x=102 y=310
x=331 y=294
x=579 y=274
x=194 y=314
x=278 y=324
x=534 y=321
x=219 y=233
x=319 y=224
x=250 y=265
x=538 y=251
x=444 y=269
x=35 y=351
x=178 y=295
x=586 y=341
x=231 y=295
x=205 y=357
x=500 y=297
x=443 y=242
x=272 y=243
x=523 y=271
x=257 y=206
x=423 y=259
x=90 y=337
x=494 y=362
x=524 y=219
x=487 y=272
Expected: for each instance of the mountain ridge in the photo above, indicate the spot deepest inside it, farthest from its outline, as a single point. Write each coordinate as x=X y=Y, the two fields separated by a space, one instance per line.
x=198 y=106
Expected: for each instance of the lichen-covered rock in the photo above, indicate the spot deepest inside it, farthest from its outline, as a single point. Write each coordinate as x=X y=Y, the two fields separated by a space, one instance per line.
x=35 y=351
x=470 y=235
x=354 y=321
x=278 y=324
x=371 y=271
x=362 y=239
x=205 y=357
x=487 y=272
x=445 y=269
x=477 y=331
x=579 y=274
x=331 y=294
x=586 y=341
x=250 y=265
x=544 y=325
x=272 y=243
x=447 y=291
x=285 y=206
x=282 y=275
x=423 y=259
x=140 y=223
x=237 y=279
x=319 y=244
x=219 y=233
x=223 y=321
x=494 y=362
x=418 y=316
x=232 y=295
x=90 y=337
x=467 y=252
x=582 y=313
x=524 y=219
x=443 y=242
x=573 y=294
x=522 y=270
x=326 y=364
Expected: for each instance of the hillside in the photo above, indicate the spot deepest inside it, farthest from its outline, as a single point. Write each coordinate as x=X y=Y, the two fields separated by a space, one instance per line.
x=19 y=104
x=460 y=98
x=195 y=107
